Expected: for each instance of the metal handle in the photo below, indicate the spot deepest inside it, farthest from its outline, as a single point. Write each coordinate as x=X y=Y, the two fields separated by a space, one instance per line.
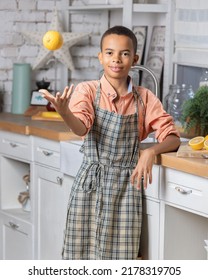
x=149 y=71
x=13 y=145
x=46 y=153
x=13 y=225
x=59 y=180
x=182 y=191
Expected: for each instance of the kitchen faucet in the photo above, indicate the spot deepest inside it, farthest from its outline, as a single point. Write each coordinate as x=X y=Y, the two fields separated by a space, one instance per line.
x=149 y=71
x=145 y=69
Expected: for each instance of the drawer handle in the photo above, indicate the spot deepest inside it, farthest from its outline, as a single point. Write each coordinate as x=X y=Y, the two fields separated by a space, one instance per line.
x=46 y=153
x=182 y=191
x=59 y=180
x=13 y=145
x=13 y=225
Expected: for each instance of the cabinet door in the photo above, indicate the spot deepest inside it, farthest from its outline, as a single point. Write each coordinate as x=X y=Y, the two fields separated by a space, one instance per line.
x=16 y=239
x=183 y=215
x=51 y=205
x=149 y=244
x=185 y=234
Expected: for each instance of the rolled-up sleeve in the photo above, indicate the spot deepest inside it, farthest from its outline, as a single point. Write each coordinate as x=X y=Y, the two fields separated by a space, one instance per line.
x=81 y=103
x=157 y=119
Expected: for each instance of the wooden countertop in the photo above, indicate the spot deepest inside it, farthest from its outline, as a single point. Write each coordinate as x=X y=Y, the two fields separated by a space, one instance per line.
x=59 y=132
x=193 y=166
x=21 y=124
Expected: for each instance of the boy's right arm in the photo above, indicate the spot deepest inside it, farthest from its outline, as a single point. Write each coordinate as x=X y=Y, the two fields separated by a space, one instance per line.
x=61 y=105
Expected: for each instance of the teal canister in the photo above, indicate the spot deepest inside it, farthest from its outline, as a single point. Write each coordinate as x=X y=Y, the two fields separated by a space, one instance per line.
x=21 y=87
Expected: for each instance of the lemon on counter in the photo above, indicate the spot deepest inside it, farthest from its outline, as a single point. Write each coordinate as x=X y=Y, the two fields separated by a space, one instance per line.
x=206 y=144
x=52 y=40
x=197 y=143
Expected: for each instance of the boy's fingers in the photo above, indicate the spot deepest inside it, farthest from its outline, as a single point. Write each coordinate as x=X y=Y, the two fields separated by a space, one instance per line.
x=47 y=95
x=70 y=90
x=45 y=92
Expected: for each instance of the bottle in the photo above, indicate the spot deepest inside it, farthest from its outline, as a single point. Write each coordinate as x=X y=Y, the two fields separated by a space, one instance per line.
x=174 y=105
x=180 y=95
x=168 y=97
x=204 y=78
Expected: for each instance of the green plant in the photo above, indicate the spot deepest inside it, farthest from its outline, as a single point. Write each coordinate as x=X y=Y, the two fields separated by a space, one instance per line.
x=195 y=112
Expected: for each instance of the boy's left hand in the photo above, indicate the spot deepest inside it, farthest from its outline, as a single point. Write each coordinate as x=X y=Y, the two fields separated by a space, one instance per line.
x=142 y=174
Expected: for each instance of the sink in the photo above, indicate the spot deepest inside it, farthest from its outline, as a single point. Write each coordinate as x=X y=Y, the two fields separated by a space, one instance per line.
x=151 y=141
x=146 y=145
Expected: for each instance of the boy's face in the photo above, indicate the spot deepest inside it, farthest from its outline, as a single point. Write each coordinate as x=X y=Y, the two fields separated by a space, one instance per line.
x=117 y=56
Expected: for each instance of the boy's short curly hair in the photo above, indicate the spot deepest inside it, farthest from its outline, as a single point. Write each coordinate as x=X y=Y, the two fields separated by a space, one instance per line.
x=120 y=30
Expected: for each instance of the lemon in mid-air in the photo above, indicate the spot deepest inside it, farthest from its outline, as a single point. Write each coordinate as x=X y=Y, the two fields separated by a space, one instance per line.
x=52 y=40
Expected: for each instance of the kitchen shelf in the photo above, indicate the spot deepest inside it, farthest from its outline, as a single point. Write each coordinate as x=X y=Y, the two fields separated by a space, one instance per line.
x=150 y=8
x=94 y=7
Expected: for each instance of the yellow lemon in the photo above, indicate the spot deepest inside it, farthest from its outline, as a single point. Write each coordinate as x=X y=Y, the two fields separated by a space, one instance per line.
x=197 y=143
x=54 y=115
x=206 y=144
x=52 y=40
x=206 y=137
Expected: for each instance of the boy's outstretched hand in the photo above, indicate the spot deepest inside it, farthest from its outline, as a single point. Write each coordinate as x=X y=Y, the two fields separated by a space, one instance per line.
x=60 y=101
x=61 y=105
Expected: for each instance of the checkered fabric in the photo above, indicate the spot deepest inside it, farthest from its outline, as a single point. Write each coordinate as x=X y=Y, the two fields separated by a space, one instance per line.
x=105 y=210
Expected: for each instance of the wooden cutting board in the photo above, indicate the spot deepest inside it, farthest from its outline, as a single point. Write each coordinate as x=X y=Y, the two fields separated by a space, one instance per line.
x=186 y=151
x=39 y=117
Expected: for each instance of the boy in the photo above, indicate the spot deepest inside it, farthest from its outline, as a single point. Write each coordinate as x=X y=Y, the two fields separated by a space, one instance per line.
x=105 y=206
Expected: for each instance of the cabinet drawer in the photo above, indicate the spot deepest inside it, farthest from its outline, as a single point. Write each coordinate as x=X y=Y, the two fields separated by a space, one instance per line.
x=71 y=157
x=16 y=145
x=153 y=189
x=47 y=152
x=51 y=176
x=185 y=190
x=16 y=224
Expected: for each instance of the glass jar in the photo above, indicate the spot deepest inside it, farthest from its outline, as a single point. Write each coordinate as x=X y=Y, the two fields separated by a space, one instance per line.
x=169 y=96
x=204 y=78
x=179 y=96
x=174 y=104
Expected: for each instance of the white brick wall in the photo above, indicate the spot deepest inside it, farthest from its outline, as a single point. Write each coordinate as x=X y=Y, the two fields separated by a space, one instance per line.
x=31 y=15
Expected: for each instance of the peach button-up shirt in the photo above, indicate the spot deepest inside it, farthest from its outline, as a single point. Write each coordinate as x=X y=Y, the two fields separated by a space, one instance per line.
x=152 y=116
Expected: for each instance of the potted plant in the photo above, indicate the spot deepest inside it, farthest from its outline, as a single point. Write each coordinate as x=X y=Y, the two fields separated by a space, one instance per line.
x=195 y=113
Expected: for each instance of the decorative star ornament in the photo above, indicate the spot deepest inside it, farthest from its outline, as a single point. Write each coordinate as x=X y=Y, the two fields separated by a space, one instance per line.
x=63 y=53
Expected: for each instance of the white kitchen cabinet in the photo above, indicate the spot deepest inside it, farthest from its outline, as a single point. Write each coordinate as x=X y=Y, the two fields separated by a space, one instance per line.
x=175 y=208
x=51 y=199
x=16 y=224
x=184 y=215
x=150 y=237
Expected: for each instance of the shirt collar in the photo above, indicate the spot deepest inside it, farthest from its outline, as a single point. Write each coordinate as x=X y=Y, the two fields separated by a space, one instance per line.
x=110 y=90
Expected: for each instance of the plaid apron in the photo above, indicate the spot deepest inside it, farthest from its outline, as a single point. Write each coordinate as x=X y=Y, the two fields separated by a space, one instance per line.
x=105 y=210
